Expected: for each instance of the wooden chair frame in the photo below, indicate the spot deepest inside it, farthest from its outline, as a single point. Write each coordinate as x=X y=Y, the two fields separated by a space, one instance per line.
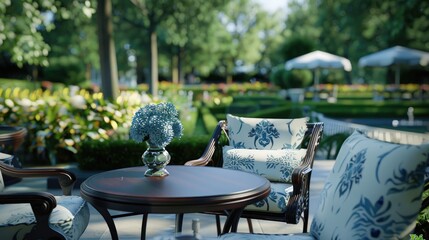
x=298 y=204
x=42 y=203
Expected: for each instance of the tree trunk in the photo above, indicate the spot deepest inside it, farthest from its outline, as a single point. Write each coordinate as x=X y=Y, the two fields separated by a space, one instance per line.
x=153 y=86
x=140 y=71
x=175 y=68
x=106 y=49
x=180 y=55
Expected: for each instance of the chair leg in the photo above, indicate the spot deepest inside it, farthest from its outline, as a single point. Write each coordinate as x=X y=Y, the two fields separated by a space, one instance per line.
x=219 y=230
x=144 y=225
x=305 y=221
x=179 y=222
x=249 y=222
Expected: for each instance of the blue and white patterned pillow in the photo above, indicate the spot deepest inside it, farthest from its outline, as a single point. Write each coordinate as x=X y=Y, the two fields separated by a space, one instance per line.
x=260 y=133
x=275 y=165
x=373 y=191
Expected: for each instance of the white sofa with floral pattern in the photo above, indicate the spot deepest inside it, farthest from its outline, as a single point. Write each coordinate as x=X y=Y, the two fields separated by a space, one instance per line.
x=374 y=191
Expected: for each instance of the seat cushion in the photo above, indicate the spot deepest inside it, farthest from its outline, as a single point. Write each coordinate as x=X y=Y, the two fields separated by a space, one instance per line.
x=275 y=165
x=70 y=217
x=266 y=133
x=257 y=236
x=373 y=191
x=276 y=202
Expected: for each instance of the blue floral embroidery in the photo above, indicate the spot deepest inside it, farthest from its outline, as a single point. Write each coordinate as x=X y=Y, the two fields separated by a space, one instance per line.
x=262 y=203
x=276 y=197
x=272 y=197
x=372 y=221
x=317 y=228
x=299 y=135
x=352 y=173
x=238 y=163
x=264 y=133
x=272 y=162
x=404 y=180
x=239 y=145
x=282 y=202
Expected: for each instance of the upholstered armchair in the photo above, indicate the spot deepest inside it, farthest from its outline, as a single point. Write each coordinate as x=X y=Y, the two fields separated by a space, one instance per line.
x=41 y=215
x=282 y=150
x=374 y=191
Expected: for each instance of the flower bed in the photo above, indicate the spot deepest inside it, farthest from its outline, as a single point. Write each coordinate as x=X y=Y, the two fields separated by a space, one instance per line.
x=61 y=120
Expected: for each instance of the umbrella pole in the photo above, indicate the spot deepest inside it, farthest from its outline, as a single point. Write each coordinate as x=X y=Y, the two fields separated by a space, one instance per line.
x=397 y=76
x=316 y=84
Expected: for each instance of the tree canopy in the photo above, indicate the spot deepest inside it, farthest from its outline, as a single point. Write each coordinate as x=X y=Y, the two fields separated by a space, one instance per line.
x=169 y=40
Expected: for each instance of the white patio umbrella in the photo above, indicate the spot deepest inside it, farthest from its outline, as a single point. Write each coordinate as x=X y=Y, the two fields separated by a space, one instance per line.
x=396 y=57
x=318 y=60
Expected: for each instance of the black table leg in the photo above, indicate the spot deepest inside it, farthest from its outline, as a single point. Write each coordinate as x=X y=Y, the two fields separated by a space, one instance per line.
x=232 y=220
x=110 y=223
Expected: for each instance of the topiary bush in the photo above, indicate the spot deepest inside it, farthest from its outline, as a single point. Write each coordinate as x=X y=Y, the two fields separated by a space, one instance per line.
x=297 y=78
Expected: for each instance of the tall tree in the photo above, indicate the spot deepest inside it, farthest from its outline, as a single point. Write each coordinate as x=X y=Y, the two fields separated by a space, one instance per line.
x=150 y=14
x=241 y=21
x=188 y=27
x=106 y=48
x=271 y=38
x=73 y=44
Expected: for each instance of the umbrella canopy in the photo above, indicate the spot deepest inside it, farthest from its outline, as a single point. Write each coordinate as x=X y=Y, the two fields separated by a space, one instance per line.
x=396 y=57
x=318 y=60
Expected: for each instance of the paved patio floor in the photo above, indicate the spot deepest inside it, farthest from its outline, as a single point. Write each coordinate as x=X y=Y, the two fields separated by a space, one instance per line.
x=163 y=224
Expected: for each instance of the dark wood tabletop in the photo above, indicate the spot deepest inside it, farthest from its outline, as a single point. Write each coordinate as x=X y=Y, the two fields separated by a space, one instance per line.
x=187 y=189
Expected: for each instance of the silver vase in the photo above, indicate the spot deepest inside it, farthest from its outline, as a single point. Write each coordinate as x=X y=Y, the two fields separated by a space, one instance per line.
x=156 y=158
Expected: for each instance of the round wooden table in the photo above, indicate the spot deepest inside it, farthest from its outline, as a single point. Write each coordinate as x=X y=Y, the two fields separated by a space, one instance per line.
x=187 y=189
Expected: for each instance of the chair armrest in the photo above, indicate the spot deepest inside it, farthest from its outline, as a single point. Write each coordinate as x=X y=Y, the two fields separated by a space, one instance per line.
x=210 y=148
x=66 y=179
x=315 y=133
x=42 y=204
x=301 y=174
x=300 y=177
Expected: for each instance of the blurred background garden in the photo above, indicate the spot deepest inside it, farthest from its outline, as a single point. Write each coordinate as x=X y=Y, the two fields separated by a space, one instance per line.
x=73 y=72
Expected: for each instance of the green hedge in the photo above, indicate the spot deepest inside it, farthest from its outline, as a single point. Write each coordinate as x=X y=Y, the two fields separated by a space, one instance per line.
x=113 y=154
x=210 y=121
x=356 y=109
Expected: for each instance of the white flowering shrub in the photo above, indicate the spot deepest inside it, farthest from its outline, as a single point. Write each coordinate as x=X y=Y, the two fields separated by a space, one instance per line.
x=63 y=119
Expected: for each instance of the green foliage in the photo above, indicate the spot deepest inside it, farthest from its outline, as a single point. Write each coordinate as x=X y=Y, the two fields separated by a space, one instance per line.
x=277 y=76
x=66 y=70
x=298 y=78
x=416 y=237
x=296 y=46
x=113 y=154
x=22 y=84
x=107 y=155
x=23 y=23
x=332 y=144
x=290 y=79
x=209 y=120
x=58 y=120
x=422 y=226
x=369 y=108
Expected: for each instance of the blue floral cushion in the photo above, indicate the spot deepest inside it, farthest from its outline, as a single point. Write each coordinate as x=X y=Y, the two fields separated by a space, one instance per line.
x=261 y=133
x=70 y=217
x=261 y=236
x=373 y=191
x=276 y=202
x=275 y=165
